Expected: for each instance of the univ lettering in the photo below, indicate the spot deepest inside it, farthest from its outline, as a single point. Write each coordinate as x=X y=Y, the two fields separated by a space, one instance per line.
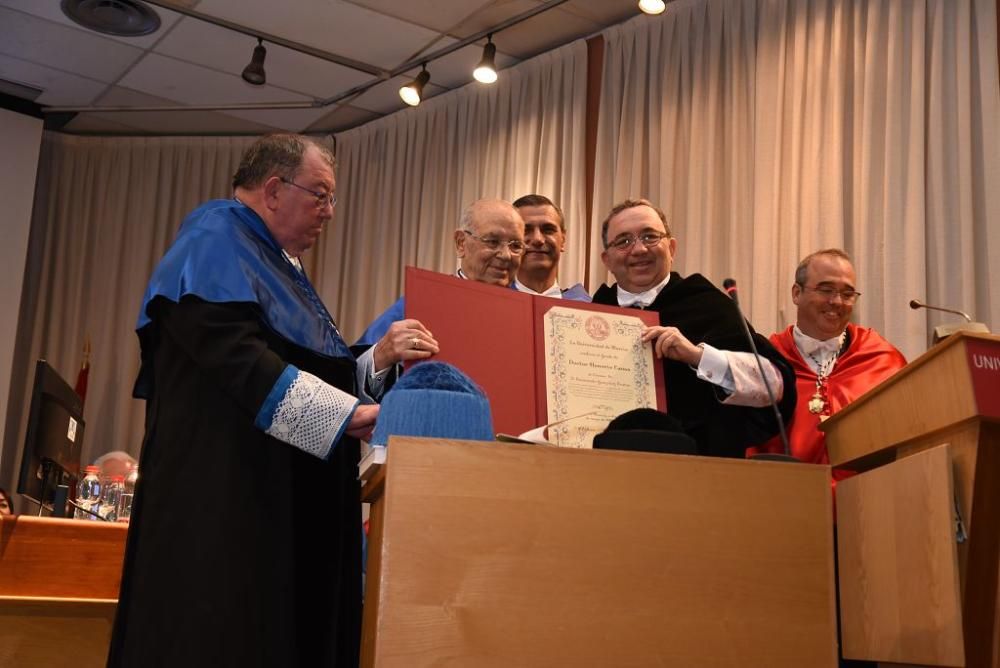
x=983 y=362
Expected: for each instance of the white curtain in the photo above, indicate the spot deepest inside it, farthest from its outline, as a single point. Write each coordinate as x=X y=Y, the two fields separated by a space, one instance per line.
x=768 y=129
x=403 y=180
x=105 y=211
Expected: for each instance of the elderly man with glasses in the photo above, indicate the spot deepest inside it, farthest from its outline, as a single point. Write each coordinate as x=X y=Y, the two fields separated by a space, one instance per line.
x=835 y=361
x=714 y=387
x=245 y=541
x=489 y=243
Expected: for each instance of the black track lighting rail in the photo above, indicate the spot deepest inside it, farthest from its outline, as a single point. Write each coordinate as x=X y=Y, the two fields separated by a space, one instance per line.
x=379 y=73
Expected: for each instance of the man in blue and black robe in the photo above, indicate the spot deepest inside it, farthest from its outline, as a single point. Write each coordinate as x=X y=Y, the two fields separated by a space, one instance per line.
x=245 y=543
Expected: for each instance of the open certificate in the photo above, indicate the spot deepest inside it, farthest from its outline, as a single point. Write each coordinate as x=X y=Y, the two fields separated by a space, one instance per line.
x=596 y=367
x=519 y=347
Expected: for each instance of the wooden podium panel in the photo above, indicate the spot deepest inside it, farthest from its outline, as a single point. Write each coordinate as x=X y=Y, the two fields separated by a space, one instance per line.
x=499 y=554
x=58 y=590
x=949 y=395
x=901 y=548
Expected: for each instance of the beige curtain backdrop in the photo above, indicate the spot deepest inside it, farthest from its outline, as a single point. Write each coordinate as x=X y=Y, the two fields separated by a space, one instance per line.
x=771 y=128
x=105 y=211
x=403 y=180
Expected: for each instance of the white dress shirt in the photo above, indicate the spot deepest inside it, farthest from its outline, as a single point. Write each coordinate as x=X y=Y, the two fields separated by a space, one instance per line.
x=735 y=372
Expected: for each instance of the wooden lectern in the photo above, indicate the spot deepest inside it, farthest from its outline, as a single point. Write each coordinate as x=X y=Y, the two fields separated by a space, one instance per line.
x=524 y=555
x=919 y=529
x=58 y=590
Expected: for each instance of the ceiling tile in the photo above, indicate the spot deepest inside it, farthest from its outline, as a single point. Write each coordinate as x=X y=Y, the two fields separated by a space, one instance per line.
x=540 y=33
x=331 y=25
x=227 y=51
x=192 y=62
x=52 y=45
x=176 y=80
x=51 y=11
x=119 y=96
x=171 y=122
x=292 y=120
x=344 y=117
x=603 y=13
x=59 y=88
x=94 y=124
x=438 y=15
x=186 y=123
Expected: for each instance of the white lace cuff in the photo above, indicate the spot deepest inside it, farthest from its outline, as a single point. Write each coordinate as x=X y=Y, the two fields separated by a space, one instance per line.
x=305 y=412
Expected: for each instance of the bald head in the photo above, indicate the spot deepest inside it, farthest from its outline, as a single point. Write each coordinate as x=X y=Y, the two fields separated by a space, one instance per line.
x=490 y=241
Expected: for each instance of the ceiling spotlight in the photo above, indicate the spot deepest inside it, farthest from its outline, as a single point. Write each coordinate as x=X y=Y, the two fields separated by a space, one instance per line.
x=254 y=72
x=414 y=91
x=652 y=6
x=486 y=70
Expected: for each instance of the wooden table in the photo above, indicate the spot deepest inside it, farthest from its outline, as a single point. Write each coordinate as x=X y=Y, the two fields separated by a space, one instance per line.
x=58 y=590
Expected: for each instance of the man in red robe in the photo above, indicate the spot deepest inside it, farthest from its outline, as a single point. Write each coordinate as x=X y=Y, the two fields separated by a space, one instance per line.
x=835 y=361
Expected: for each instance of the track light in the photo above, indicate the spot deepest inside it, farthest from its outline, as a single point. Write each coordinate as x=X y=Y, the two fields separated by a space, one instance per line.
x=486 y=70
x=413 y=92
x=652 y=6
x=254 y=72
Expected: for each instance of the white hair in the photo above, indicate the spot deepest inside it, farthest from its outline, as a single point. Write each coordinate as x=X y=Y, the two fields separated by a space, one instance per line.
x=116 y=454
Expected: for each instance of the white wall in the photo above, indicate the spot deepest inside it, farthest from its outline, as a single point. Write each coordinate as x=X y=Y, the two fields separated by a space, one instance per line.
x=20 y=141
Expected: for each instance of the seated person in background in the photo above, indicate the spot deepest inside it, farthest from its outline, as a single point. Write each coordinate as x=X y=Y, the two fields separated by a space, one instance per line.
x=489 y=243
x=6 y=503
x=835 y=361
x=116 y=462
x=713 y=383
x=545 y=242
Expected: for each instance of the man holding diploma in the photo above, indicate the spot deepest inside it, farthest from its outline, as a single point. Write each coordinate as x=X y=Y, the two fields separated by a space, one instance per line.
x=713 y=382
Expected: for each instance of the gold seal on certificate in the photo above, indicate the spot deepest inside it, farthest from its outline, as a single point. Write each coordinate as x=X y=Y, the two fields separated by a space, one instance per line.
x=597 y=367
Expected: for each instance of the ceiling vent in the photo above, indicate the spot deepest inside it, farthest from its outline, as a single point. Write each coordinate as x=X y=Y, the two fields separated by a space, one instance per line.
x=124 y=18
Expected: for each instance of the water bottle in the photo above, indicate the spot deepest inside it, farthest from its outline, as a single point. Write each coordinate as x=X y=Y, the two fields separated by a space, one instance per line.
x=112 y=497
x=88 y=493
x=128 y=492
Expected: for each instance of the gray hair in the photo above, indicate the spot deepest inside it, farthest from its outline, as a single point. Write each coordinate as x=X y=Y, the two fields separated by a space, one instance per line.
x=120 y=455
x=470 y=214
x=278 y=154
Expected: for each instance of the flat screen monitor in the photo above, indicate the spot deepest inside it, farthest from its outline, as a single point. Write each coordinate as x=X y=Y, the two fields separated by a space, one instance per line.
x=51 y=454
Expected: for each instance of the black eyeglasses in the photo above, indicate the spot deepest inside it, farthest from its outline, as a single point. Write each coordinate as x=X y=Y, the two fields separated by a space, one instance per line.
x=322 y=198
x=830 y=293
x=648 y=239
x=515 y=246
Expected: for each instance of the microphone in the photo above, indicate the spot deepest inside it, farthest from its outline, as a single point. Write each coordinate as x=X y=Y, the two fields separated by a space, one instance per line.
x=915 y=304
x=729 y=285
x=942 y=332
x=787 y=456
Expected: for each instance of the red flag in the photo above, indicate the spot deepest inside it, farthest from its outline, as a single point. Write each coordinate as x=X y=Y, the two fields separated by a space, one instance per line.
x=81 y=378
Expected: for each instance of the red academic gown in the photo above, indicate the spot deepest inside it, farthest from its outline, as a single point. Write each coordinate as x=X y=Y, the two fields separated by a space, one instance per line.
x=868 y=360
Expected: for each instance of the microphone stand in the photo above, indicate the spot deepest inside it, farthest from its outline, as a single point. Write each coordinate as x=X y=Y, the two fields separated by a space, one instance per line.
x=942 y=332
x=768 y=456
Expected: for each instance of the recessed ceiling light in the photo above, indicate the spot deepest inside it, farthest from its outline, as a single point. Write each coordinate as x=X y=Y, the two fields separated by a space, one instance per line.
x=123 y=18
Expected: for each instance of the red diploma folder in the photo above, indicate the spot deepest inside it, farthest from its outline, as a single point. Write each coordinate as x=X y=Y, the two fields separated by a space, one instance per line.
x=496 y=336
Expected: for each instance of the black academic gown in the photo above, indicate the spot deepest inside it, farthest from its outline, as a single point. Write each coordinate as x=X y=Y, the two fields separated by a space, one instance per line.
x=704 y=314
x=243 y=550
